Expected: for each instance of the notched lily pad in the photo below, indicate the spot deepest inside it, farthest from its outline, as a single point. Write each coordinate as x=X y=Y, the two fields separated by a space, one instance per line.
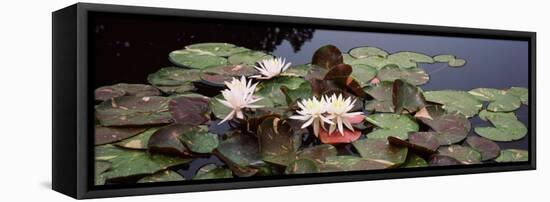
x=367 y=51
x=133 y=111
x=499 y=100
x=199 y=140
x=363 y=74
x=162 y=176
x=195 y=59
x=443 y=160
x=451 y=60
x=465 y=155
x=416 y=76
x=336 y=137
x=414 y=161
x=407 y=97
x=382 y=94
x=190 y=111
x=488 y=149
x=393 y=122
x=352 y=163
x=272 y=89
x=211 y=171
x=276 y=141
x=217 y=76
x=166 y=141
x=104 y=135
x=512 y=155
x=506 y=127
x=248 y=58
x=455 y=101
x=451 y=127
x=380 y=150
x=407 y=59
x=521 y=93
x=240 y=152
x=121 y=89
x=139 y=141
x=218 y=49
x=302 y=166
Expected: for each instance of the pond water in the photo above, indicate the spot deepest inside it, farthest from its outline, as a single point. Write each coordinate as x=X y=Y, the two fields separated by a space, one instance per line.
x=127 y=49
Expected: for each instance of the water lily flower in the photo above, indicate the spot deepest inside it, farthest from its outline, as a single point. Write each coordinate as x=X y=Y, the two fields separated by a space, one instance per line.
x=338 y=109
x=270 y=68
x=312 y=111
x=237 y=96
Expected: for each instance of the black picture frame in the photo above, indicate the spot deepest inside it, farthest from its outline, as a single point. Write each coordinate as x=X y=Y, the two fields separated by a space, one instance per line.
x=72 y=171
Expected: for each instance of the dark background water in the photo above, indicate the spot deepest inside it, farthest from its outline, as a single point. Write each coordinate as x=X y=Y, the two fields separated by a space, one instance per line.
x=126 y=48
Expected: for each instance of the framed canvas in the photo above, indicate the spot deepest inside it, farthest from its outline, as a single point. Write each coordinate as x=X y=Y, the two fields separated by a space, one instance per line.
x=155 y=100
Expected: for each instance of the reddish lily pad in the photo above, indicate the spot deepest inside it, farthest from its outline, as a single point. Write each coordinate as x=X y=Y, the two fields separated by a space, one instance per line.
x=302 y=166
x=327 y=57
x=166 y=141
x=465 y=155
x=443 y=160
x=428 y=140
x=217 y=76
x=381 y=150
x=104 y=135
x=134 y=111
x=336 y=137
x=190 y=111
x=407 y=97
x=452 y=127
x=276 y=143
x=382 y=94
x=488 y=149
x=413 y=148
x=121 y=89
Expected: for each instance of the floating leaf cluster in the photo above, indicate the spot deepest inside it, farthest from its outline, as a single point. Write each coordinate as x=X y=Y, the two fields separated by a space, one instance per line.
x=152 y=132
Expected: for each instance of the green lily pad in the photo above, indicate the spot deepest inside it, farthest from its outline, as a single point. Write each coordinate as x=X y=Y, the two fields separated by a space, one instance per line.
x=181 y=89
x=139 y=141
x=416 y=76
x=506 y=127
x=195 y=59
x=199 y=140
x=465 y=155
x=380 y=150
x=414 y=161
x=218 y=49
x=451 y=127
x=248 y=58
x=500 y=100
x=100 y=168
x=129 y=162
x=367 y=51
x=347 y=58
x=363 y=74
x=276 y=141
x=451 y=60
x=166 y=141
x=487 y=148
x=302 y=166
x=173 y=76
x=190 y=111
x=162 y=176
x=104 y=135
x=382 y=94
x=521 y=93
x=443 y=160
x=272 y=89
x=217 y=76
x=327 y=56
x=455 y=101
x=121 y=89
x=302 y=92
x=239 y=152
x=133 y=111
x=297 y=70
x=352 y=163
x=218 y=109
x=317 y=153
x=385 y=133
x=376 y=62
x=457 y=62
x=393 y=121
x=408 y=59
x=211 y=171
x=512 y=155
x=406 y=96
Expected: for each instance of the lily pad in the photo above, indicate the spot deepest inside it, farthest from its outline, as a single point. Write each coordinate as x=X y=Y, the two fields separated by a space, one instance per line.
x=416 y=76
x=521 y=93
x=195 y=59
x=367 y=51
x=455 y=101
x=382 y=94
x=275 y=141
x=408 y=59
x=451 y=60
x=393 y=121
x=427 y=140
x=129 y=162
x=376 y=62
x=414 y=161
x=173 y=76
x=488 y=149
x=352 y=163
x=465 y=155
x=211 y=171
x=317 y=153
x=380 y=150
x=443 y=160
x=133 y=111
x=139 y=141
x=199 y=140
x=162 y=176
x=272 y=89
x=363 y=74
x=336 y=137
x=121 y=89
x=500 y=100
x=302 y=92
x=385 y=133
x=218 y=49
x=406 y=96
x=100 y=168
x=347 y=58
x=512 y=155
x=302 y=166
x=297 y=70
x=190 y=111
x=327 y=57
x=104 y=135
x=506 y=127
x=166 y=141
x=451 y=127
x=217 y=76
x=239 y=152
x=248 y=58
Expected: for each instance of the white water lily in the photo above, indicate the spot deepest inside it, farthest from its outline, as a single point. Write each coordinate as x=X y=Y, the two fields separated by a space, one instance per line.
x=270 y=68
x=237 y=96
x=312 y=111
x=338 y=110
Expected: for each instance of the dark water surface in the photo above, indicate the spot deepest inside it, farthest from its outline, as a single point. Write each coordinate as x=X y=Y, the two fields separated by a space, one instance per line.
x=127 y=49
